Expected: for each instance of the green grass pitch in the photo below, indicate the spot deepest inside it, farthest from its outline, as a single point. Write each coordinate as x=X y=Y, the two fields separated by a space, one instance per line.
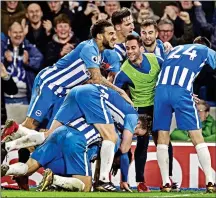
x=33 y=193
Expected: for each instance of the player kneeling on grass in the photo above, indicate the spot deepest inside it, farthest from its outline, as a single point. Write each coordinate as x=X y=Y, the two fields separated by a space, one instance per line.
x=64 y=152
x=101 y=107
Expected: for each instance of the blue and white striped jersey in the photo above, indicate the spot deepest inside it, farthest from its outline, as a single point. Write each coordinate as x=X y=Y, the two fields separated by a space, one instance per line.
x=88 y=130
x=183 y=64
x=72 y=69
x=159 y=49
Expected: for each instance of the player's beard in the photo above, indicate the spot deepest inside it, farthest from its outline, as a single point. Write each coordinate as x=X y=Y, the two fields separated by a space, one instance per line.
x=149 y=45
x=106 y=43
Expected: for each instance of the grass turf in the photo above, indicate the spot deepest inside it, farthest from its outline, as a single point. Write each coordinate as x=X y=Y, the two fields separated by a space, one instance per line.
x=33 y=193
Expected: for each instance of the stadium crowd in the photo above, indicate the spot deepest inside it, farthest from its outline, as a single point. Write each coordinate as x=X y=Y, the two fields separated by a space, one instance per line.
x=51 y=64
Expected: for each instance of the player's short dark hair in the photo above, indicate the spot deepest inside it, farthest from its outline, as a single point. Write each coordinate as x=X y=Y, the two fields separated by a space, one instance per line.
x=131 y=37
x=99 y=27
x=117 y=16
x=146 y=122
x=61 y=18
x=148 y=22
x=202 y=40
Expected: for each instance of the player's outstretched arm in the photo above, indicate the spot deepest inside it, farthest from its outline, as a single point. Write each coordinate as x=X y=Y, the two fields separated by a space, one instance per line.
x=97 y=78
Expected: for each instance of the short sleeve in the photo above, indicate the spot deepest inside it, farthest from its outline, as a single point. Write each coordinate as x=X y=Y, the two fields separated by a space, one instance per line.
x=211 y=59
x=130 y=122
x=90 y=56
x=112 y=59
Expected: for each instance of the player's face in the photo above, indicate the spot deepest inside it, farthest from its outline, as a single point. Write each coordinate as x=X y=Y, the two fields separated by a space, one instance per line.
x=148 y=35
x=165 y=32
x=133 y=50
x=139 y=131
x=63 y=30
x=127 y=26
x=109 y=37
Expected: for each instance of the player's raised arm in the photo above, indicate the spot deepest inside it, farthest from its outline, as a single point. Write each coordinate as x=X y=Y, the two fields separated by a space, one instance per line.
x=104 y=37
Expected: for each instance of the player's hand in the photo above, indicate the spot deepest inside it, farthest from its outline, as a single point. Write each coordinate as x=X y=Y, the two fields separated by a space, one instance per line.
x=126 y=97
x=125 y=187
x=114 y=169
x=168 y=47
x=184 y=16
x=196 y=99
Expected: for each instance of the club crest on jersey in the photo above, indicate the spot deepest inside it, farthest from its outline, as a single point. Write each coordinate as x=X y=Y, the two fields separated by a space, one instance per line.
x=38 y=113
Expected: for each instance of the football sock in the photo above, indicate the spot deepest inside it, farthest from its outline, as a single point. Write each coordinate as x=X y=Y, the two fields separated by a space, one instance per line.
x=163 y=162
x=106 y=155
x=205 y=161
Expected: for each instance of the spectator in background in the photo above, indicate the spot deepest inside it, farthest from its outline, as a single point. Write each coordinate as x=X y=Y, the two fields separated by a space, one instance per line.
x=188 y=7
x=142 y=15
x=11 y=11
x=9 y=87
x=166 y=31
x=111 y=7
x=208 y=28
x=208 y=125
x=39 y=31
x=136 y=6
x=62 y=42
x=171 y=12
x=56 y=8
x=22 y=61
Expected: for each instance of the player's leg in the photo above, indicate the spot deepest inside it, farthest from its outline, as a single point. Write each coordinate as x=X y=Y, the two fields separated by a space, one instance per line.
x=140 y=161
x=92 y=104
x=87 y=180
x=203 y=156
x=68 y=183
x=161 y=123
x=187 y=119
x=20 y=169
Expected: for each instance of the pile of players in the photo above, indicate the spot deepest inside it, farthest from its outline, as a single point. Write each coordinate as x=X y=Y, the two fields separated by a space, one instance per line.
x=90 y=118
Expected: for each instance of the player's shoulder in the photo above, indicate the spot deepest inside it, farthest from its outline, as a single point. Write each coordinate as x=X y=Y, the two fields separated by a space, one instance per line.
x=159 y=42
x=197 y=46
x=89 y=47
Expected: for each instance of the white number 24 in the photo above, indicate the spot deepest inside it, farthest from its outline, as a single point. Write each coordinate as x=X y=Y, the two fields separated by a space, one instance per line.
x=190 y=52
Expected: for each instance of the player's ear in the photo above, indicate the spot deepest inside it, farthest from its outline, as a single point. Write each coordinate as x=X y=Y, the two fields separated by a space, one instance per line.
x=142 y=49
x=156 y=34
x=99 y=36
x=117 y=27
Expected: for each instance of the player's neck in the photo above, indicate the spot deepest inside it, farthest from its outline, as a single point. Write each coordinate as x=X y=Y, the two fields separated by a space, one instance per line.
x=151 y=48
x=100 y=45
x=138 y=62
x=120 y=38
